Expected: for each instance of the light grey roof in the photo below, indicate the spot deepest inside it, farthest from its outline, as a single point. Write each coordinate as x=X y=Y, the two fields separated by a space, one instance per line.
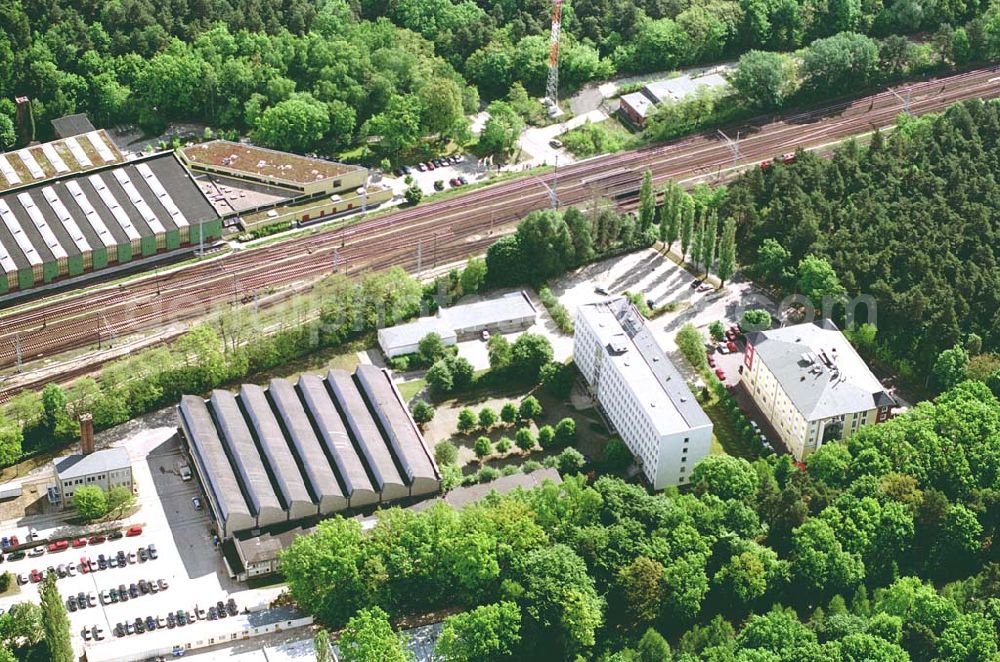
x=510 y=307
x=364 y=429
x=102 y=461
x=402 y=432
x=659 y=387
x=398 y=339
x=291 y=486
x=243 y=452
x=315 y=464
x=218 y=473
x=638 y=102
x=819 y=370
x=334 y=434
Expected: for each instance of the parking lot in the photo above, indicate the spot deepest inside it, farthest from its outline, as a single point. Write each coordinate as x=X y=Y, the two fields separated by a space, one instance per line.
x=468 y=168
x=186 y=559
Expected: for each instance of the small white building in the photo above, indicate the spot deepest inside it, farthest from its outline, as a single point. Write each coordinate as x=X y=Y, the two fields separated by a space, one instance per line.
x=640 y=391
x=509 y=313
x=405 y=338
x=812 y=385
x=106 y=468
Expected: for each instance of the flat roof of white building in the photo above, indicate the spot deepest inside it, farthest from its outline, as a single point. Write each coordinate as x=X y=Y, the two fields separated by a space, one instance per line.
x=659 y=387
x=511 y=307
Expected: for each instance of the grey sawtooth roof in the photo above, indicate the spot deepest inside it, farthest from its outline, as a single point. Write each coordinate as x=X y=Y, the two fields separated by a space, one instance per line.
x=400 y=428
x=315 y=465
x=217 y=473
x=291 y=486
x=848 y=387
x=338 y=443
x=367 y=435
x=243 y=453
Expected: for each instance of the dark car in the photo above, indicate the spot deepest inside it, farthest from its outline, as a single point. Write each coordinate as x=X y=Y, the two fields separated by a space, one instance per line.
x=181 y=617
x=140 y=627
x=133 y=591
x=462 y=179
x=231 y=607
x=150 y=623
x=102 y=563
x=113 y=593
x=117 y=535
x=398 y=172
x=143 y=587
x=171 y=621
x=406 y=170
x=81 y=600
x=71 y=603
x=119 y=630
x=123 y=592
x=439 y=185
x=15 y=556
x=212 y=614
x=96 y=540
x=143 y=555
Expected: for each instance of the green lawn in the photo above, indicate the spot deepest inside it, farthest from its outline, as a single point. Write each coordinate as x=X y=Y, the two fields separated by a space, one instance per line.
x=409 y=389
x=725 y=436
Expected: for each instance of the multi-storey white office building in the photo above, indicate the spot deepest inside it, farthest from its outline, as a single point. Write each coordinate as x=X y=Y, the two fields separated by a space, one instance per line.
x=811 y=385
x=640 y=391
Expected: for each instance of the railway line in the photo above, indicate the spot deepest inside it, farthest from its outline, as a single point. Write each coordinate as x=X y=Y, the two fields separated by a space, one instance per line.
x=445 y=231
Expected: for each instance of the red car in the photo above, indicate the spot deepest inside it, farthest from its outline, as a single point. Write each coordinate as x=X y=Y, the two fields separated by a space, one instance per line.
x=764 y=165
x=430 y=166
x=711 y=361
x=58 y=546
x=788 y=158
x=14 y=541
x=36 y=576
x=96 y=540
x=133 y=531
x=80 y=542
x=720 y=373
x=84 y=564
x=731 y=346
x=730 y=335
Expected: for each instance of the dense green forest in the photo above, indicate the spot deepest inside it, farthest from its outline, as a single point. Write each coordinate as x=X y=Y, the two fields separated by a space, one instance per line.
x=911 y=220
x=320 y=74
x=881 y=550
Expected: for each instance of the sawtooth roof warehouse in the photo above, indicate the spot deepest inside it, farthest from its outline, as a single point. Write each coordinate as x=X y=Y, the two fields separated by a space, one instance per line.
x=296 y=452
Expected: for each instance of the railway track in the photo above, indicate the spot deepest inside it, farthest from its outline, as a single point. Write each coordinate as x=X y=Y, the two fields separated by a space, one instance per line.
x=445 y=231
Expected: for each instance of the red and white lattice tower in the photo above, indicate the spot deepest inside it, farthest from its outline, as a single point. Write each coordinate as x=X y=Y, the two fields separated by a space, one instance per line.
x=552 y=85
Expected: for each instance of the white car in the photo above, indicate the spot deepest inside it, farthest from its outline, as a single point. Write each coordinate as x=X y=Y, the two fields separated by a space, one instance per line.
x=485 y=334
x=722 y=348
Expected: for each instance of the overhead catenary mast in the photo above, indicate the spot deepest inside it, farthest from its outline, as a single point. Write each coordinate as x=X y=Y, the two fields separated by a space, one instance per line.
x=552 y=85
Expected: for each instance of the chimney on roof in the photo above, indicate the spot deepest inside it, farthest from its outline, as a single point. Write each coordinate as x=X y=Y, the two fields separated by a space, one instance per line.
x=25 y=120
x=87 y=443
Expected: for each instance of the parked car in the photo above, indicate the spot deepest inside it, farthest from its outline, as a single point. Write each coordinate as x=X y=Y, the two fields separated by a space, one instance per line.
x=220 y=606
x=231 y=607
x=102 y=563
x=91 y=600
x=80 y=542
x=81 y=600
x=454 y=181
x=105 y=597
x=36 y=576
x=71 y=569
x=212 y=614
x=150 y=623
x=720 y=373
x=133 y=591
x=199 y=612
x=16 y=555
x=430 y=165
x=86 y=634
x=71 y=603
x=143 y=554
x=134 y=531
x=723 y=348
x=731 y=346
x=132 y=558
x=5 y=543
x=112 y=561
x=171 y=621
x=765 y=165
x=711 y=361
x=36 y=552
x=95 y=540
x=140 y=627
x=485 y=335
x=61 y=570
x=153 y=588
x=119 y=630
x=788 y=158
x=143 y=586
x=439 y=185
x=114 y=594
x=22 y=578
x=123 y=593
x=463 y=180
x=98 y=633
x=161 y=622
x=421 y=167
x=555 y=143
x=129 y=628
x=152 y=551
x=181 y=617
x=117 y=535
x=163 y=584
